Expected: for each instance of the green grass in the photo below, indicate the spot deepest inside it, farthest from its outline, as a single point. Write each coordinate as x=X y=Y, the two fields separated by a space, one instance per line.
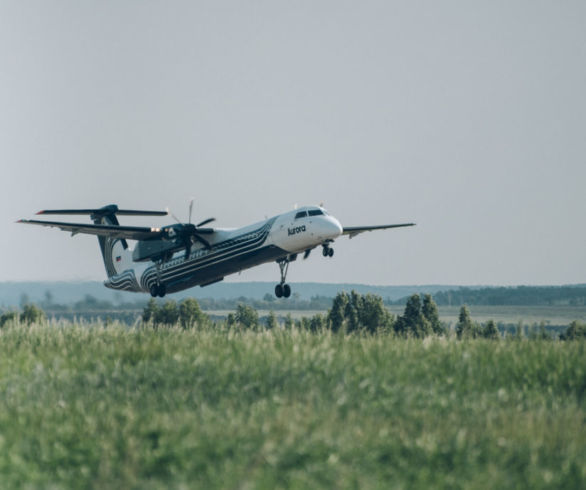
x=93 y=407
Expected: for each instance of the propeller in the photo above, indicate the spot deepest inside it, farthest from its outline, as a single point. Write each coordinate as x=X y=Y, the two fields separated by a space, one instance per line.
x=189 y=233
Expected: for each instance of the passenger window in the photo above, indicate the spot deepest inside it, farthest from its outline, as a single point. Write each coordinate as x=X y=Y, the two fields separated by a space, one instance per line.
x=301 y=214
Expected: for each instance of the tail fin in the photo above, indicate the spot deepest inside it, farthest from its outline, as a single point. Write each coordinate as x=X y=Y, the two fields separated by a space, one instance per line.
x=117 y=257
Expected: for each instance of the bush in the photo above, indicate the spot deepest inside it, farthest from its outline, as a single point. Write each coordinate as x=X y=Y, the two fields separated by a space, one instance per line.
x=246 y=316
x=575 y=331
x=190 y=313
x=357 y=312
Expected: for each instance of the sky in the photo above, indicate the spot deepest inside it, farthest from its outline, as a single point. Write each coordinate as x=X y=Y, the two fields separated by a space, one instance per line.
x=466 y=117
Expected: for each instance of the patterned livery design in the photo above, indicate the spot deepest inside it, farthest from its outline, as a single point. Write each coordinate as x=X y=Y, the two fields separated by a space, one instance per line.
x=195 y=270
x=203 y=266
x=125 y=282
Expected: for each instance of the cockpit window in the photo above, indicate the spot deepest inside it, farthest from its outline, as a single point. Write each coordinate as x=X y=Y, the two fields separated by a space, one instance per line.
x=301 y=214
x=315 y=212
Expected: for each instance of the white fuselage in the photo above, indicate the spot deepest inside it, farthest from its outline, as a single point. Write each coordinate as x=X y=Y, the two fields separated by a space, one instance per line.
x=232 y=250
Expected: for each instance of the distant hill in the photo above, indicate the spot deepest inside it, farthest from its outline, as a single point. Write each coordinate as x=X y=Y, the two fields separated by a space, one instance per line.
x=571 y=295
x=16 y=293
x=65 y=293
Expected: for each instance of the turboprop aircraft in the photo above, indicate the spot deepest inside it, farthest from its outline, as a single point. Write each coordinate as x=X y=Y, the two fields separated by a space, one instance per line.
x=183 y=255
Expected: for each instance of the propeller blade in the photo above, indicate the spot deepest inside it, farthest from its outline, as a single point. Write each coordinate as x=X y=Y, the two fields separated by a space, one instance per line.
x=172 y=215
x=190 y=209
x=205 y=222
x=306 y=254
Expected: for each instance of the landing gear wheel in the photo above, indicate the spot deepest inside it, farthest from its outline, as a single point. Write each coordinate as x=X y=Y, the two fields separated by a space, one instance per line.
x=282 y=289
x=158 y=290
x=325 y=251
x=331 y=252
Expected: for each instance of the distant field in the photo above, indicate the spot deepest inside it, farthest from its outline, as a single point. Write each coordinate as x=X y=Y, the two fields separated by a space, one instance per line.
x=113 y=407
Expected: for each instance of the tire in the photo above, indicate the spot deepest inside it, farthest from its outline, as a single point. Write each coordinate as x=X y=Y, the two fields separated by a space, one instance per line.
x=286 y=290
x=331 y=252
x=154 y=291
x=325 y=251
x=162 y=290
x=278 y=290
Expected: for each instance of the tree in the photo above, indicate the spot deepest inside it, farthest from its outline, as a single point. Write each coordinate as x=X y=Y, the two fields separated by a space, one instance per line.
x=317 y=322
x=519 y=331
x=168 y=314
x=575 y=331
x=431 y=314
x=272 y=320
x=289 y=323
x=150 y=311
x=490 y=331
x=465 y=329
x=413 y=323
x=246 y=315
x=9 y=317
x=231 y=319
x=190 y=313
x=372 y=314
x=337 y=313
x=32 y=314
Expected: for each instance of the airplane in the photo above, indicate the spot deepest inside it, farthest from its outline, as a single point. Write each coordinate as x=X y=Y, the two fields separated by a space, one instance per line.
x=183 y=255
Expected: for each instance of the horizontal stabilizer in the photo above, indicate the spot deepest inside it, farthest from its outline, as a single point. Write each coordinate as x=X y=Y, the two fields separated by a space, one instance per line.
x=352 y=231
x=111 y=209
x=112 y=231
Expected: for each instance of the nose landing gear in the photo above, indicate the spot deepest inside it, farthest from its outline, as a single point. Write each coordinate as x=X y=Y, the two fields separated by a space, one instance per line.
x=327 y=250
x=282 y=289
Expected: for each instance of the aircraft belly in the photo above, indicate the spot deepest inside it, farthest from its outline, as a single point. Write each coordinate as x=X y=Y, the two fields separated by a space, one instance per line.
x=201 y=274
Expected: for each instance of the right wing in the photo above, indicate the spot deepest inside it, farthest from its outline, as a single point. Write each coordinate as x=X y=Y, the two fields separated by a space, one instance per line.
x=352 y=231
x=113 y=231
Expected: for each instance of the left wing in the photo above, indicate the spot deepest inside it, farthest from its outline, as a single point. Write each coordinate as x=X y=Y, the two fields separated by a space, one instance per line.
x=352 y=231
x=113 y=231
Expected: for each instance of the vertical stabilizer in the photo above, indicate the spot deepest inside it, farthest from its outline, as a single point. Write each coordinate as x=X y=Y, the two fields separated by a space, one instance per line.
x=115 y=251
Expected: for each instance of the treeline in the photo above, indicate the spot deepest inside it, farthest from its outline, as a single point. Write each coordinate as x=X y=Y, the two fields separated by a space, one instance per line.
x=353 y=313
x=513 y=296
x=349 y=313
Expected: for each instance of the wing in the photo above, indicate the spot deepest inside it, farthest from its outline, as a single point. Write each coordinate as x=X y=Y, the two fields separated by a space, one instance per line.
x=352 y=231
x=114 y=231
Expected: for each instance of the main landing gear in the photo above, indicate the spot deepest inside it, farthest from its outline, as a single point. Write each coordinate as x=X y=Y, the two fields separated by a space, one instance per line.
x=282 y=289
x=158 y=290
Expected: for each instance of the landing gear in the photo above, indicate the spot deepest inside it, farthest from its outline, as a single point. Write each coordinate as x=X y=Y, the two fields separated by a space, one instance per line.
x=282 y=289
x=158 y=290
x=327 y=250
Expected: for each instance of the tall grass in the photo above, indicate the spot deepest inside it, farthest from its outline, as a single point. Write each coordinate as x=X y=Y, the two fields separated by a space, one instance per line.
x=95 y=407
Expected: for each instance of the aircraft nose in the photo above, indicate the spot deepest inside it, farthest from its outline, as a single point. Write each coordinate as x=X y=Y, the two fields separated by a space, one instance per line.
x=334 y=228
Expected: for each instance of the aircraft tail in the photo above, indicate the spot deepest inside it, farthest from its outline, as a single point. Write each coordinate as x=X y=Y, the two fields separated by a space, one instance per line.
x=115 y=253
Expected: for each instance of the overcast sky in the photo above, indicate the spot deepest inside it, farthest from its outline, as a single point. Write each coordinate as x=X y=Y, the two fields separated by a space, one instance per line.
x=466 y=117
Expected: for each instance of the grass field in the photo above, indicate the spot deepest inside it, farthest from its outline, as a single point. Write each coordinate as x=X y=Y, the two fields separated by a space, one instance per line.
x=94 y=407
